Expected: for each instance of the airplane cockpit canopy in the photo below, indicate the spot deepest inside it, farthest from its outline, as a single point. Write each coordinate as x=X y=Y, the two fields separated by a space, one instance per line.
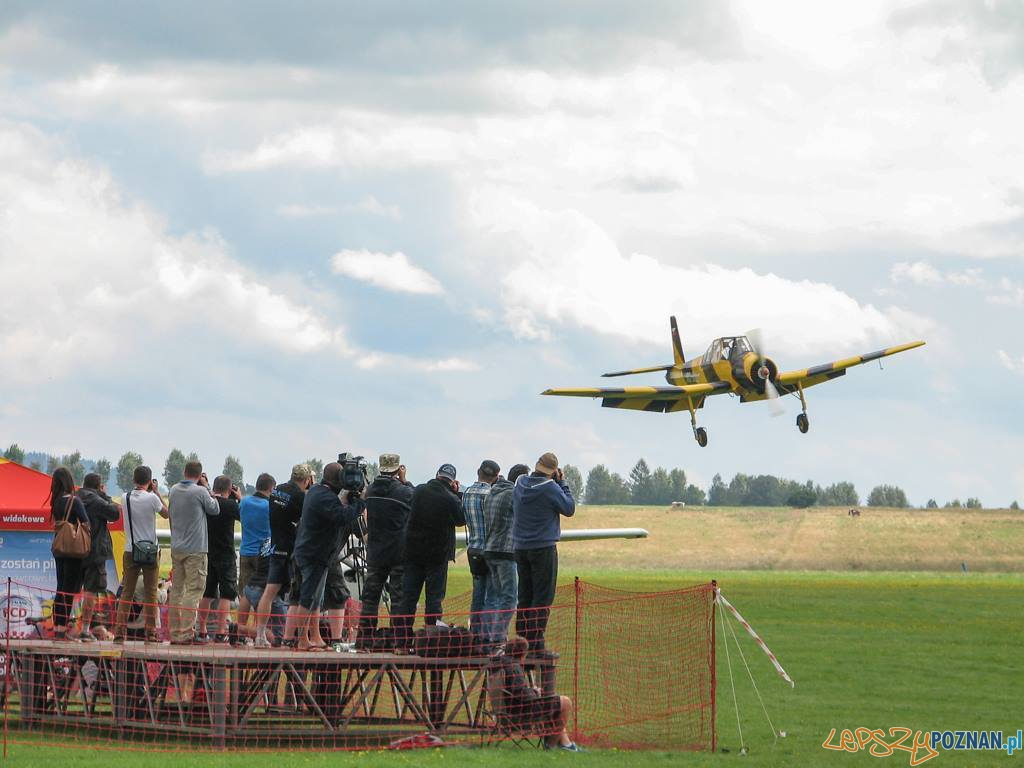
x=726 y=348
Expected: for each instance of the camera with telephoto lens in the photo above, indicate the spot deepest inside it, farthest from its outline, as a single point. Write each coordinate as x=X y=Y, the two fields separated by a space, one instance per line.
x=353 y=472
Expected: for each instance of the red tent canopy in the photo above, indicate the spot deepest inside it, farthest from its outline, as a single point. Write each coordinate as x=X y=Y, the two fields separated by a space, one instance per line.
x=24 y=498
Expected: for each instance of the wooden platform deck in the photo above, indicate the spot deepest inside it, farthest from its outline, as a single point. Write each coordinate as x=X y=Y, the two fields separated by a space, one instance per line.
x=217 y=695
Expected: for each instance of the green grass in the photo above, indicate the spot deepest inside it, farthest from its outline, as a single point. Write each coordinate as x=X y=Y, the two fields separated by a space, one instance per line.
x=920 y=650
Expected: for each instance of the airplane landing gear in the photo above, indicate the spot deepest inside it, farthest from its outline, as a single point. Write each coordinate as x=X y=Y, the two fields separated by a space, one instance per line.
x=802 y=422
x=702 y=436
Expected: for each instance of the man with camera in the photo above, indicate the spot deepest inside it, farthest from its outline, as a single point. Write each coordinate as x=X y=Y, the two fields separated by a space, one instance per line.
x=388 y=503
x=476 y=531
x=285 y=513
x=429 y=545
x=142 y=505
x=190 y=503
x=539 y=500
x=500 y=556
x=325 y=525
x=221 y=567
x=101 y=510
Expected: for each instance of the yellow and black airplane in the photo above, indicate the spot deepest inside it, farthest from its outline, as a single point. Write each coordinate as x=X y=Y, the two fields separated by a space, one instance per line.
x=733 y=365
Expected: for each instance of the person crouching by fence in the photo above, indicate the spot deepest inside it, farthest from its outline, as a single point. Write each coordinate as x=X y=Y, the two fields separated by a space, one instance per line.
x=429 y=546
x=539 y=500
x=141 y=506
x=101 y=510
x=325 y=526
x=65 y=509
x=526 y=708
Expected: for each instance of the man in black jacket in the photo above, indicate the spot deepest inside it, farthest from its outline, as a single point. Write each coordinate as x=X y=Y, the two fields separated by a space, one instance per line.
x=285 y=512
x=325 y=526
x=388 y=502
x=429 y=546
x=101 y=510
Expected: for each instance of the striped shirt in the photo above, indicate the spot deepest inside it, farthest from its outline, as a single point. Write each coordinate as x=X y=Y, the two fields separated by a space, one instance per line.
x=473 y=507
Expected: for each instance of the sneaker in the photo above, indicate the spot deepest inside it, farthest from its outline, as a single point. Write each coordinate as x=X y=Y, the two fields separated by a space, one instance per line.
x=571 y=747
x=222 y=639
x=203 y=639
x=261 y=641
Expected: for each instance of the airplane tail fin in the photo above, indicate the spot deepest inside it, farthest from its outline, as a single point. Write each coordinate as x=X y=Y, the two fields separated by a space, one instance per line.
x=677 y=346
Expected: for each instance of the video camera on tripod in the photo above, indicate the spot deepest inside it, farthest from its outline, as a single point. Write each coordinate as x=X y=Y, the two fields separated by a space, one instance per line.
x=353 y=472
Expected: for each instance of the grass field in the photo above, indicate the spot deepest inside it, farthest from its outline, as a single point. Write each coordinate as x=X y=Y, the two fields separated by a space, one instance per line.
x=818 y=539
x=921 y=650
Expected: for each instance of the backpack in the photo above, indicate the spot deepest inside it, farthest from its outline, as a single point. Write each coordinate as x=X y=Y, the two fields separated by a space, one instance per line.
x=444 y=642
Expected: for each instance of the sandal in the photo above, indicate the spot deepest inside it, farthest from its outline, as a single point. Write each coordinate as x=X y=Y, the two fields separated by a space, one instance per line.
x=315 y=649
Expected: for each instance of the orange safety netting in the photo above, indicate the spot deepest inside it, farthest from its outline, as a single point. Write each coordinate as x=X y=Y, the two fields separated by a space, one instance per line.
x=622 y=669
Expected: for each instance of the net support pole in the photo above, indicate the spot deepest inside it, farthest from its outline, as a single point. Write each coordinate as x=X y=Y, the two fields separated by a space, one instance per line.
x=714 y=669
x=7 y=662
x=577 y=589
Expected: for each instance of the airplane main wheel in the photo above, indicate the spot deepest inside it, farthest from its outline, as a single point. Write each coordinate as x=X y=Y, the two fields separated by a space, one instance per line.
x=802 y=422
x=702 y=436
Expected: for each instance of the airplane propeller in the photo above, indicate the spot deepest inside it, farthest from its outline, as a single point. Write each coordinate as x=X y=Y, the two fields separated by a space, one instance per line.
x=756 y=338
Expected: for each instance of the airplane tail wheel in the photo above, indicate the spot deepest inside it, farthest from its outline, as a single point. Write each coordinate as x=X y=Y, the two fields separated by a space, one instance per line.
x=702 y=436
x=802 y=423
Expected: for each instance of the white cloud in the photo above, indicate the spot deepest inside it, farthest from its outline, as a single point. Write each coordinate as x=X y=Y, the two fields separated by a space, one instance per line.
x=1010 y=363
x=369 y=205
x=392 y=272
x=97 y=277
x=920 y=272
x=374 y=207
x=451 y=364
x=301 y=211
x=565 y=269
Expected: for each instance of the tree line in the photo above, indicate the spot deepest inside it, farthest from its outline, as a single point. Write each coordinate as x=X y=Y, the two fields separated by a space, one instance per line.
x=642 y=486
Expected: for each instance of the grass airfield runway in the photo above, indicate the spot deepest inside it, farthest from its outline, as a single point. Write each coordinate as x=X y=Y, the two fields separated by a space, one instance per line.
x=909 y=647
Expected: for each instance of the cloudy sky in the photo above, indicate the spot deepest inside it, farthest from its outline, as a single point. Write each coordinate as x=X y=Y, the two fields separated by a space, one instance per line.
x=289 y=231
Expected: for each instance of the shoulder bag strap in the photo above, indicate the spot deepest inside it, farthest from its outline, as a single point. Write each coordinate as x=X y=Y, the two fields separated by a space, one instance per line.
x=128 y=505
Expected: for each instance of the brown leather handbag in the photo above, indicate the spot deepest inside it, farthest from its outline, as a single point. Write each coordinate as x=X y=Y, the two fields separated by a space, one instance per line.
x=72 y=540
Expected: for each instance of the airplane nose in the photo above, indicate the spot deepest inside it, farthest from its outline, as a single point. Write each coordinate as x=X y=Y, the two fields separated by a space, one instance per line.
x=763 y=372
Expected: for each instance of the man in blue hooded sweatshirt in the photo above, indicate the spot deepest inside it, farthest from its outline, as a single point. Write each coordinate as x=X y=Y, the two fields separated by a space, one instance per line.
x=538 y=502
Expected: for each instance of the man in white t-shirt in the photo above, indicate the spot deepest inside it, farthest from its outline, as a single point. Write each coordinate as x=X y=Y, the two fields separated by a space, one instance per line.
x=141 y=506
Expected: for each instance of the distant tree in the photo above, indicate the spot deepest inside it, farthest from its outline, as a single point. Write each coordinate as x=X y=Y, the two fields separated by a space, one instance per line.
x=126 y=468
x=887 y=496
x=973 y=503
x=73 y=463
x=661 y=488
x=317 y=466
x=692 y=496
x=718 y=492
x=619 y=490
x=1014 y=505
x=598 y=490
x=841 y=494
x=677 y=479
x=37 y=466
x=233 y=469
x=574 y=479
x=765 y=491
x=372 y=470
x=954 y=504
x=174 y=467
x=52 y=462
x=932 y=504
x=102 y=468
x=640 y=483
x=739 y=490
x=15 y=454
x=802 y=497
x=193 y=456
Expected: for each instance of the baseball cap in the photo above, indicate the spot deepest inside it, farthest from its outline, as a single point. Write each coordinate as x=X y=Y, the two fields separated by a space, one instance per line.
x=547 y=463
x=446 y=470
x=389 y=462
x=301 y=471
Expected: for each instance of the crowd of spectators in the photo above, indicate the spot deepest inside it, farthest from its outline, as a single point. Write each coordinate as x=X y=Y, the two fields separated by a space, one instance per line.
x=286 y=580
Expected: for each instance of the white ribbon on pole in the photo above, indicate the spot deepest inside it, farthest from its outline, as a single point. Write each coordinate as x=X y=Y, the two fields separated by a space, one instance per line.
x=750 y=630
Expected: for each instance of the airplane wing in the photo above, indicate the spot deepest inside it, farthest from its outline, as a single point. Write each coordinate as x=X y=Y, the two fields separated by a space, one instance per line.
x=656 y=399
x=581 y=534
x=808 y=377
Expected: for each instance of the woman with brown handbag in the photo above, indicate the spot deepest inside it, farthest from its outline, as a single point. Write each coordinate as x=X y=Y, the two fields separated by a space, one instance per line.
x=70 y=522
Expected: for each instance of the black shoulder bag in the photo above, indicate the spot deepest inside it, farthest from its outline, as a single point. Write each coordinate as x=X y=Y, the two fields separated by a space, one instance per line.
x=143 y=552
